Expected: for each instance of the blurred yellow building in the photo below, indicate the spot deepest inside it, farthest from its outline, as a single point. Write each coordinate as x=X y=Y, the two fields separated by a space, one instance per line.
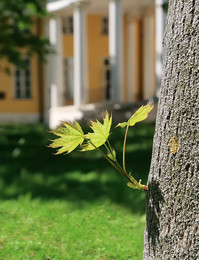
x=106 y=51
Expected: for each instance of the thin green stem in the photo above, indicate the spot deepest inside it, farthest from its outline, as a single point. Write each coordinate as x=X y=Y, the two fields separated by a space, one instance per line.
x=107 y=148
x=109 y=160
x=116 y=162
x=120 y=170
x=110 y=147
x=124 y=173
x=124 y=148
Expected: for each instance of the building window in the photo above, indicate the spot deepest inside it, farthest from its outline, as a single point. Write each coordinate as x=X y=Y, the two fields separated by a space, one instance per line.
x=105 y=25
x=22 y=81
x=67 y=25
x=2 y=95
x=68 y=78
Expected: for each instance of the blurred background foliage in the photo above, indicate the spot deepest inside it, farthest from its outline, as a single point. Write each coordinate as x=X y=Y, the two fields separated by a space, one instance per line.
x=18 y=35
x=28 y=165
x=73 y=206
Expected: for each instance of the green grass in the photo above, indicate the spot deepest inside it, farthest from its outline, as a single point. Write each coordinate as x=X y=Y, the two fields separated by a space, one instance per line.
x=74 y=206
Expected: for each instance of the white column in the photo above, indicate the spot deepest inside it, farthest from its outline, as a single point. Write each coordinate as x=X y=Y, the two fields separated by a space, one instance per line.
x=56 y=63
x=115 y=49
x=160 y=18
x=80 y=91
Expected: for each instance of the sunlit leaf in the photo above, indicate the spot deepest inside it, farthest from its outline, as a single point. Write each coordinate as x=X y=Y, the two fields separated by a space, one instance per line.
x=70 y=136
x=140 y=115
x=100 y=133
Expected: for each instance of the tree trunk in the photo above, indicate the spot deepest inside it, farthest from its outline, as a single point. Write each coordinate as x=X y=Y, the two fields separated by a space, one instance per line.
x=172 y=215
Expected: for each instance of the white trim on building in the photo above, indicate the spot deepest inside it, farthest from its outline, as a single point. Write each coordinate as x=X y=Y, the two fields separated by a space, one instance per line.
x=141 y=25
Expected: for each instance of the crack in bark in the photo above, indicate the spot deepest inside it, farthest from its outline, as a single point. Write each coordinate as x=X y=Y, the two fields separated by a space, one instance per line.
x=193 y=11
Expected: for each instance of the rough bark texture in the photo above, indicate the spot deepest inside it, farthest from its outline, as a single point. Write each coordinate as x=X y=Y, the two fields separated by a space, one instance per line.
x=172 y=222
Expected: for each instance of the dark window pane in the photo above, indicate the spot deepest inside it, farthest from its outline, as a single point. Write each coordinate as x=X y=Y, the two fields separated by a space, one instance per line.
x=27 y=62
x=104 y=23
x=18 y=93
x=27 y=84
x=105 y=31
x=71 y=30
x=17 y=73
x=106 y=61
x=105 y=20
x=2 y=95
x=108 y=75
x=27 y=73
x=27 y=93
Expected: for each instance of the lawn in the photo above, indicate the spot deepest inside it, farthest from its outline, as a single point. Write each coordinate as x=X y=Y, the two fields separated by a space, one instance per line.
x=70 y=206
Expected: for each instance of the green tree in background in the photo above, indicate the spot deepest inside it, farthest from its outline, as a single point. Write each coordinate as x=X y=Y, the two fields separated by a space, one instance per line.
x=17 y=18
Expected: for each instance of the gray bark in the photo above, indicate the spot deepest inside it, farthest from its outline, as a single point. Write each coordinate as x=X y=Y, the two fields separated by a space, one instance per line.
x=172 y=214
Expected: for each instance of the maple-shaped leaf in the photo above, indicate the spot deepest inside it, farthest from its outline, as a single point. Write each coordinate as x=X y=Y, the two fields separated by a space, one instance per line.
x=100 y=133
x=140 y=115
x=70 y=136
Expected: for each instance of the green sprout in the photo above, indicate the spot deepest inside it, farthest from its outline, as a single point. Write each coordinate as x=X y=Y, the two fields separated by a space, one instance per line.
x=71 y=135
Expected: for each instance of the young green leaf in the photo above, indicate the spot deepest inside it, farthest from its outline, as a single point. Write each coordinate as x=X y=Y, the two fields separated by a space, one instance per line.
x=140 y=115
x=112 y=155
x=122 y=125
x=100 y=133
x=136 y=185
x=132 y=186
x=71 y=135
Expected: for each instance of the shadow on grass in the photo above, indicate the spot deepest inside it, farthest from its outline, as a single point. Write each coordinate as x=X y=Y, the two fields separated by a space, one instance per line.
x=28 y=166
